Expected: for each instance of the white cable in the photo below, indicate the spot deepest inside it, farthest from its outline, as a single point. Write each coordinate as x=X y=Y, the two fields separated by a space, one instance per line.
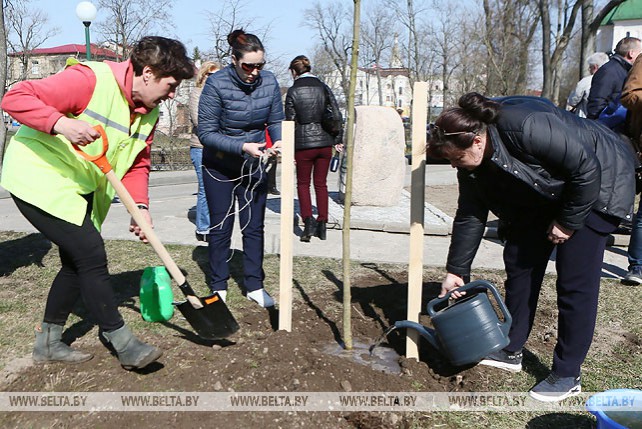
x=251 y=188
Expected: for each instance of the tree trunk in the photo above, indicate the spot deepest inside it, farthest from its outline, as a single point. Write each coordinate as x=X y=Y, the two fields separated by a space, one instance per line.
x=590 y=25
x=3 y=79
x=347 y=295
x=588 y=42
x=379 y=85
x=550 y=61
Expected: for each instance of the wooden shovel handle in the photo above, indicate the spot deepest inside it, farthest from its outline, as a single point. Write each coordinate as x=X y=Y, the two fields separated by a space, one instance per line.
x=137 y=215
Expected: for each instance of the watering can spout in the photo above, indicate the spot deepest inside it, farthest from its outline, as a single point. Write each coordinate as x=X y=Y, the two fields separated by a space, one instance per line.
x=427 y=333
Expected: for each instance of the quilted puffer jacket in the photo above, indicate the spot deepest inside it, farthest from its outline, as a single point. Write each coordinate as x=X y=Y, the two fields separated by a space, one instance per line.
x=547 y=164
x=305 y=104
x=232 y=112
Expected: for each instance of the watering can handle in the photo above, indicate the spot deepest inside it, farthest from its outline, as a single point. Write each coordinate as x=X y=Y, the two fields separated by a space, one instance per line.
x=477 y=284
x=122 y=192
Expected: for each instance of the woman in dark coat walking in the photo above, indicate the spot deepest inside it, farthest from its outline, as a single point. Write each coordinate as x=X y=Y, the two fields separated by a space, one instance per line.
x=305 y=104
x=555 y=181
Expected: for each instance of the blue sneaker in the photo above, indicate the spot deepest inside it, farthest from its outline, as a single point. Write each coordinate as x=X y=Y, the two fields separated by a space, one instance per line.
x=502 y=359
x=556 y=388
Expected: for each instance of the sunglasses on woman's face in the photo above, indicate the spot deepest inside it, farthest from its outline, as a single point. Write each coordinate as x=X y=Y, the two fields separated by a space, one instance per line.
x=250 y=67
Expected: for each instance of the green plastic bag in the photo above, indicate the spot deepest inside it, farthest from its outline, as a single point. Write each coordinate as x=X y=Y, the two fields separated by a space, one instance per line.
x=156 y=295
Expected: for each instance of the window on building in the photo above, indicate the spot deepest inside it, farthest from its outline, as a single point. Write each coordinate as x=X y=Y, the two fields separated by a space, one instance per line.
x=399 y=103
x=400 y=90
x=388 y=86
x=35 y=67
x=388 y=98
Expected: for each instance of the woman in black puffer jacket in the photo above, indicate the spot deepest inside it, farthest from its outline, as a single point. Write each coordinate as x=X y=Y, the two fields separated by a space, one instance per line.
x=305 y=104
x=555 y=181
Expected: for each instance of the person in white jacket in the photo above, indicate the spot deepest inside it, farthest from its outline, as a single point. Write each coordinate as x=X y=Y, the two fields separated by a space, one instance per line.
x=578 y=98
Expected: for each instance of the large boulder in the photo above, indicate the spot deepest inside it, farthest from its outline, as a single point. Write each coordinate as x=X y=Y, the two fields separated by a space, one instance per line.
x=379 y=163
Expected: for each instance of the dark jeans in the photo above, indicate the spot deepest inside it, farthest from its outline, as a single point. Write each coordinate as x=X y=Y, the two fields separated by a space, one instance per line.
x=579 y=265
x=222 y=193
x=272 y=173
x=84 y=268
x=313 y=163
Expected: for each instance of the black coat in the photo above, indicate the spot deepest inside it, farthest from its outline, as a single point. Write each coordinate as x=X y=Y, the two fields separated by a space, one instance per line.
x=548 y=164
x=305 y=103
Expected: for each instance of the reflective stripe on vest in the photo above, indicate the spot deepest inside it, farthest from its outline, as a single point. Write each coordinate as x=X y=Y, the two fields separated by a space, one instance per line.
x=45 y=171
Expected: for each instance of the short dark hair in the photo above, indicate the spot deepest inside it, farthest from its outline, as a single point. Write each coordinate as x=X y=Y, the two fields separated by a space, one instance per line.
x=300 y=64
x=242 y=43
x=626 y=44
x=166 y=57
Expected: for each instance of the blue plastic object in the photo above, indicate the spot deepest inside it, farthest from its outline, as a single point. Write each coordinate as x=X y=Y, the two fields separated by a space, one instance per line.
x=617 y=409
x=156 y=295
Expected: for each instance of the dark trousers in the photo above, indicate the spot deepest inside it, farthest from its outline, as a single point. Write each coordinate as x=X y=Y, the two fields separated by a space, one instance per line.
x=579 y=265
x=251 y=195
x=272 y=173
x=84 y=271
x=313 y=163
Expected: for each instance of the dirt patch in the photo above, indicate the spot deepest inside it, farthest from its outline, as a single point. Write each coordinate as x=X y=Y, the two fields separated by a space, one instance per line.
x=260 y=358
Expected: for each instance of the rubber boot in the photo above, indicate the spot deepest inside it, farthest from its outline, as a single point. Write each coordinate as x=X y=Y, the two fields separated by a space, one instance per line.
x=132 y=353
x=308 y=229
x=50 y=348
x=321 y=230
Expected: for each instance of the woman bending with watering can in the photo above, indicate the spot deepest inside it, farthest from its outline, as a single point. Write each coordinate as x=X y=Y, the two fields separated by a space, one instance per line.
x=236 y=106
x=556 y=182
x=67 y=198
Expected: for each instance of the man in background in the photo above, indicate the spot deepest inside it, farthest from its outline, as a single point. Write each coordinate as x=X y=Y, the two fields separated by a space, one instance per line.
x=632 y=100
x=608 y=81
x=578 y=98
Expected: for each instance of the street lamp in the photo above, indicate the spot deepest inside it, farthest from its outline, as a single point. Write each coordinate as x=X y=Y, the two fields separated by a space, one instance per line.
x=86 y=12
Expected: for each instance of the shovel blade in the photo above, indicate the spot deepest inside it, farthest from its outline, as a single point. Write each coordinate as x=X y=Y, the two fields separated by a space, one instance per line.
x=212 y=322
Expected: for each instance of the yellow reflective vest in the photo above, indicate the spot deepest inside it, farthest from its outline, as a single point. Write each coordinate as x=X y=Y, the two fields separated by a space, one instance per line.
x=44 y=169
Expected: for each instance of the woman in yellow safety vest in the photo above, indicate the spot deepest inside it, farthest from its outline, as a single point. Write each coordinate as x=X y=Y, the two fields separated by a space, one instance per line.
x=67 y=198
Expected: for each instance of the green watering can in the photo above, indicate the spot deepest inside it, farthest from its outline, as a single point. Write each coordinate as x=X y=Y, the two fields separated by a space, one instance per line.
x=156 y=296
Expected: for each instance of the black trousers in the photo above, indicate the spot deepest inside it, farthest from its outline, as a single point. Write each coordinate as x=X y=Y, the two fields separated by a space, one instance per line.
x=579 y=265
x=84 y=271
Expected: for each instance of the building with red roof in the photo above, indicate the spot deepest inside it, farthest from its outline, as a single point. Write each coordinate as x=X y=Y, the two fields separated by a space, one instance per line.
x=42 y=62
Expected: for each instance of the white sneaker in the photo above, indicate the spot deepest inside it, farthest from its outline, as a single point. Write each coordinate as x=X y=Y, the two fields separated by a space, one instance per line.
x=261 y=297
x=222 y=294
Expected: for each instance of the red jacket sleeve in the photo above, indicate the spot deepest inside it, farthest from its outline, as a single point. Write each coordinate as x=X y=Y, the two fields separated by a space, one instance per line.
x=40 y=103
x=136 y=180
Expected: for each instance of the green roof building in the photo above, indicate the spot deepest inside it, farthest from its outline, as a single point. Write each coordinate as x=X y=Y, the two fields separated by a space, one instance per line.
x=623 y=21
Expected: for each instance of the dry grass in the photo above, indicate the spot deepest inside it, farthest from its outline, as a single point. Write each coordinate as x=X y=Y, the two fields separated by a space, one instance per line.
x=28 y=264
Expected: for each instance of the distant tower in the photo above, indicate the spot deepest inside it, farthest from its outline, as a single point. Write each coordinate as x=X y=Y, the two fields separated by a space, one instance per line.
x=395 y=60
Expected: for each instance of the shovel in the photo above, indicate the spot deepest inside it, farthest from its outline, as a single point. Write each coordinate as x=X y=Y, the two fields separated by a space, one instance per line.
x=209 y=316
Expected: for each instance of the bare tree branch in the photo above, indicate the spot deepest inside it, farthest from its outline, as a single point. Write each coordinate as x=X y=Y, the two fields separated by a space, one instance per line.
x=27 y=30
x=128 y=21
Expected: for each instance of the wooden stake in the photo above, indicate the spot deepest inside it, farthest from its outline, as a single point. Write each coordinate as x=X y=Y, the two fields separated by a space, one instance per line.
x=287 y=220
x=417 y=195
